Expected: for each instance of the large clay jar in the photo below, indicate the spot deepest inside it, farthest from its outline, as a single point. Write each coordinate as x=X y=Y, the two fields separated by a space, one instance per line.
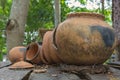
x=49 y=55
x=16 y=54
x=33 y=53
x=84 y=39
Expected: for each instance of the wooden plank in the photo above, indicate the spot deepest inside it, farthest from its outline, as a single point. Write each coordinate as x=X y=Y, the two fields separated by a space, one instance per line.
x=53 y=73
x=98 y=76
x=115 y=64
x=114 y=75
x=4 y=64
x=7 y=74
x=47 y=76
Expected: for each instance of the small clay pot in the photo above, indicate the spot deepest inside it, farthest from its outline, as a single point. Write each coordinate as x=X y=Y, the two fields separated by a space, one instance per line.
x=17 y=54
x=49 y=54
x=33 y=53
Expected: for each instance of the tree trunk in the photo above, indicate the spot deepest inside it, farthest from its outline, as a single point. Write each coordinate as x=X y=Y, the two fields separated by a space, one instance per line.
x=116 y=20
x=57 y=12
x=16 y=25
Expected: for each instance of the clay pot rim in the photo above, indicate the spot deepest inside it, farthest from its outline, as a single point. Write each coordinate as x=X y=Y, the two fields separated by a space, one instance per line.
x=85 y=14
x=36 y=54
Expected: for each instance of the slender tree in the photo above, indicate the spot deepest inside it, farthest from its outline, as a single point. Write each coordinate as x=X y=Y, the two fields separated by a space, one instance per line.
x=57 y=12
x=116 y=20
x=16 y=24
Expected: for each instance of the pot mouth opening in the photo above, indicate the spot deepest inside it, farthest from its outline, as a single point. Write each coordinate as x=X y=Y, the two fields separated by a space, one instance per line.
x=32 y=51
x=85 y=14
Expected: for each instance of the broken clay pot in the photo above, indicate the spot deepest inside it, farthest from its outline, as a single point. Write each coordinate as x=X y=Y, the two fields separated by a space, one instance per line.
x=21 y=65
x=33 y=53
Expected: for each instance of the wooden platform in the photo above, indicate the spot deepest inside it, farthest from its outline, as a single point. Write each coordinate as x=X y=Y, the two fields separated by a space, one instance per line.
x=52 y=72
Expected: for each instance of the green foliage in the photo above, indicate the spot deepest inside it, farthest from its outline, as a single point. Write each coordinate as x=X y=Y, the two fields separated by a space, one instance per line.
x=64 y=10
x=4 y=13
x=82 y=1
x=107 y=11
x=1 y=56
x=40 y=13
x=108 y=16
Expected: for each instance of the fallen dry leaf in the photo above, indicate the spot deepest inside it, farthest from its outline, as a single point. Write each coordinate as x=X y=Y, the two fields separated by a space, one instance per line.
x=40 y=70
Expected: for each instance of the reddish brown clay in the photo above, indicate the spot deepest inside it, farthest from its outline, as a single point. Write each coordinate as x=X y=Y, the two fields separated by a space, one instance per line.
x=49 y=53
x=33 y=53
x=84 y=39
x=21 y=65
x=17 y=54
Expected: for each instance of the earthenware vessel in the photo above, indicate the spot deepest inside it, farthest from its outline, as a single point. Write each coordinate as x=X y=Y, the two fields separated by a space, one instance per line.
x=17 y=54
x=84 y=39
x=32 y=54
x=49 y=53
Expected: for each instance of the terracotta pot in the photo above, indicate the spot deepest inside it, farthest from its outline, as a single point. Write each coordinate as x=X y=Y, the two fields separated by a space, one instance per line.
x=84 y=39
x=17 y=54
x=33 y=53
x=49 y=54
x=45 y=49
